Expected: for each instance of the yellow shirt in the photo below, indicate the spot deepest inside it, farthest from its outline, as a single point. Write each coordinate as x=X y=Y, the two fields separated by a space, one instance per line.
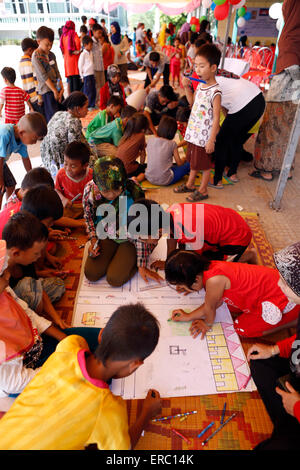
x=63 y=408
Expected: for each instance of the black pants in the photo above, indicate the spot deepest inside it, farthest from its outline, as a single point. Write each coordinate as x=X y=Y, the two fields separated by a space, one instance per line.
x=286 y=433
x=89 y=89
x=51 y=106
x=166 y=75
x=75 y=83
x=232 y=136
x=226 y=250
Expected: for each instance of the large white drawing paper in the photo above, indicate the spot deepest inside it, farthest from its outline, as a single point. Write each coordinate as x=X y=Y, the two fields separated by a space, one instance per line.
x=180 y=365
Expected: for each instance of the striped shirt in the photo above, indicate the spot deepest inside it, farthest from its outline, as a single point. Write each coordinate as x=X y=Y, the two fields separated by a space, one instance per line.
x=28 y=77
x=14 y=99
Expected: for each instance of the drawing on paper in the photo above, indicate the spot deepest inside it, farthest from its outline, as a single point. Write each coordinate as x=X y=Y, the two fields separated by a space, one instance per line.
x=175 y=350
x=89 y=318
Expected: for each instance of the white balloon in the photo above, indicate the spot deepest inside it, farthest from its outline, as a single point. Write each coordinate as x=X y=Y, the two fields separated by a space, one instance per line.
x=279 y=23
x=275 y=11
x=241 y=22
x=206 y=3
x=240 y=5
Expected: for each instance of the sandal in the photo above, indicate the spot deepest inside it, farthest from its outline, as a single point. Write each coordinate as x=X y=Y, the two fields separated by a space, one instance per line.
x=216 y=186
x=233 y=181
x=196 y=196
x=182 y=188
x=257 y=174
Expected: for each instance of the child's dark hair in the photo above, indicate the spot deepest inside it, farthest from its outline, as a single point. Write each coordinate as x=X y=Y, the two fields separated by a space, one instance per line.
x=154 y=56
x=115 y=101
x=43 y=202
x=207 y=38
x=127 y=111
x=23 y=230
x=28 y=43
x=167 y=127
x=45 y=33
x=34 y=122
x=194 y=37
x=136 y=124
x=97 y=27
x=211 y=53
x=83 y=18
x=157 y=219
x=200 y=42
x=132 y=332
x=166 y=91
x=124 y=79
x=37 y=177
x=83 y=29
x=183 y=114
x=182 y=267
x=9 y=74
x=86 y=40
x=74 y=100
x=78 y=150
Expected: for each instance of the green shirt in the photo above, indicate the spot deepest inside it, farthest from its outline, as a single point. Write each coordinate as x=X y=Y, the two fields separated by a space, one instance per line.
x=111 y=133
x=100 y=120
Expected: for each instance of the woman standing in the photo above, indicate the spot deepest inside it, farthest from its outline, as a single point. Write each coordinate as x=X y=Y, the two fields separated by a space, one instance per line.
x=282 y=98
x=64 y=127
x=71 y=47
x=108 y=53
x=120 y=47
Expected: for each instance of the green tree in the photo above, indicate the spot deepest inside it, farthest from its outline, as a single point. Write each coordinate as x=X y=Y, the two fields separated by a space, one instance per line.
x=177 y=20
x=147 y=18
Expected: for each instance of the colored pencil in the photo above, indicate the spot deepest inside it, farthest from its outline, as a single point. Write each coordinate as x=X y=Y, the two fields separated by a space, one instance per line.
x=206 y=429
x=223 y=413
x=75 y=198
x=181 y=435
x=179 y=415
x=247 y=381
x=218 y=429
x=196 y=79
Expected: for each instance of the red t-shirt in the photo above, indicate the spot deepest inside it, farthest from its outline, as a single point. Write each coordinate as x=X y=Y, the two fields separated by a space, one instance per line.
x=14 y=99
x=219 y=226
x=69 y=187
x=10 y=209
x=253 y=289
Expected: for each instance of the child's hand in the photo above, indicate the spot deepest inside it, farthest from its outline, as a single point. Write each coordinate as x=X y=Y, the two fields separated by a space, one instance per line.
x=199 y=326
x=210 y=146
x=158 y=265
x=2 y=186
x=180 y=315
x=185 y=82
x=62 y=323
x=53 y=261
x=152 y=404
x=145 y=273
x=262 y=351
x=183 y=290
x=56 y=95
x=288 y=398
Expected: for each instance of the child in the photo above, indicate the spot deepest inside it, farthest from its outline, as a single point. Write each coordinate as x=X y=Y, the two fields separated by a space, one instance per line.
x=14 y=139
x=82 y=33
x=72 y=178
x=35 y=177
x=86 y=71
x=250 y=289
x=160 y=152
x=124 y=81
x=133 y=145
x=108 y=53
x=13 y=98
x=27 y=73
x=26 y=238
x=114 y=257
x=75 y=405
x=49 y=80
x=112 y=86
x=98 y=59
x=175 y=61
x=107 y=138
x=105 y=116
x=204 y=123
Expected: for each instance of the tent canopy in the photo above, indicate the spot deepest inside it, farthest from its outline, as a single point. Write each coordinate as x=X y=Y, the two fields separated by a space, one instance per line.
x=175 y=7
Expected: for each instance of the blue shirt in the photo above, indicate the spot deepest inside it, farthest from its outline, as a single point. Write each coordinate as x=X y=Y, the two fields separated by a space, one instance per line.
x=8 y=143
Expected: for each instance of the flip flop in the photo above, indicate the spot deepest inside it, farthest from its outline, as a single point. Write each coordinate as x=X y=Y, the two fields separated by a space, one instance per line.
x=216 y=186
x=257 y=174
x=196 y=196
x=182 y=188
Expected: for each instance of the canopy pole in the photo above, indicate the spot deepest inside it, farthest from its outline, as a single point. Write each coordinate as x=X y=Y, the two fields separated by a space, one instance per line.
x=226 y=36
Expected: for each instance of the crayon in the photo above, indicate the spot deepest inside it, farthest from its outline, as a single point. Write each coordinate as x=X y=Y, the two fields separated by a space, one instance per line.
x=196 y=79
x=247 y=381
x=179 y=415
x=223 y=413
x=218 y=429
x=206 y=429
x=75 y=198
x=180 y=435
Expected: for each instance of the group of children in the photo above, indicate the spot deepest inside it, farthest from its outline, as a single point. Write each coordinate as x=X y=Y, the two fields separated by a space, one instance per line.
x=75 y=366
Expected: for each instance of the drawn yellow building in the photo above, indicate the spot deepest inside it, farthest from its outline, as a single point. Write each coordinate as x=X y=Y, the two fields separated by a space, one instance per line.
x=89 y=319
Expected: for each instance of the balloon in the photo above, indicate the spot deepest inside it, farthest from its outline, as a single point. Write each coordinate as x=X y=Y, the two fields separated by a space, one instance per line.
x=220 y=2
x=241 y=22
x=279 y=23
x=193 y=28
x=203 y=18
x=248 y=16
x=241 y=12
x=234 y=2
x=213 y=6
x=206 y=3
x=197 y=28
x=185 y=28
x=197 y=21
x=221 y=11
x=275 y=11
x=193 y=20
x=240 y=5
